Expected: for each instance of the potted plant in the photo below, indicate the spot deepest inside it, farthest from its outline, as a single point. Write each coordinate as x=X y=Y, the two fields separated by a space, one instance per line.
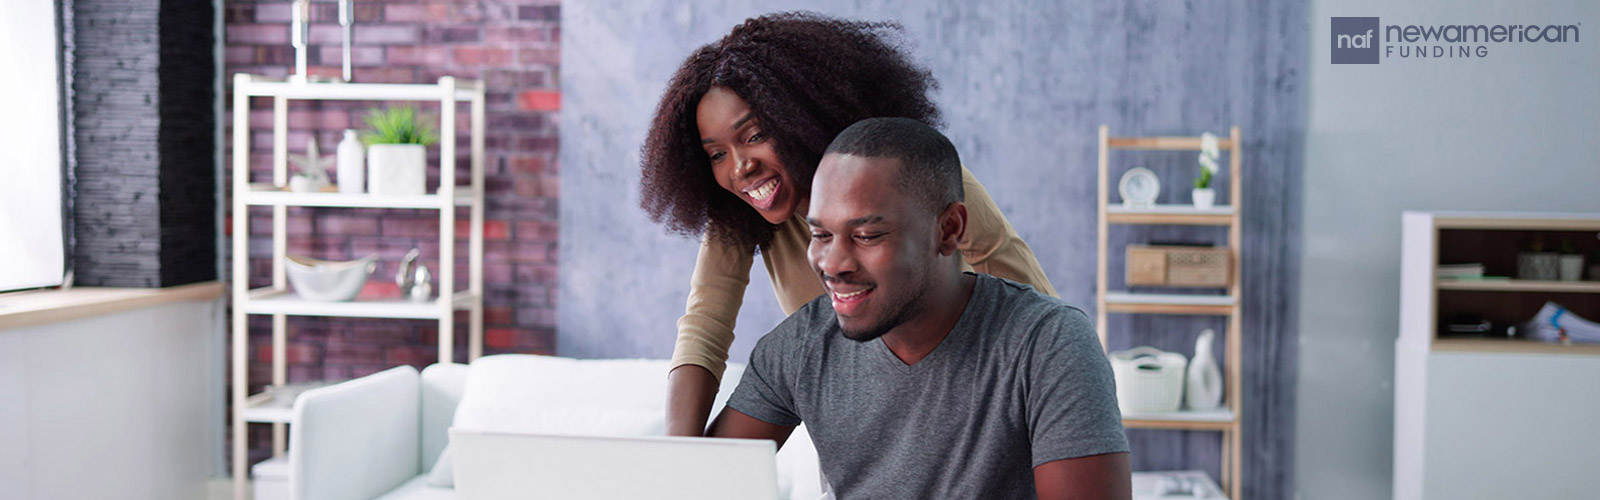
x=397 y=153
x=1536 y=263
x=1204 y=197
x=1571 y=262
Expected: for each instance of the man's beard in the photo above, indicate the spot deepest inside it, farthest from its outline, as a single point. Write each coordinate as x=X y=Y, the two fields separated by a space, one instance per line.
x=909 y=308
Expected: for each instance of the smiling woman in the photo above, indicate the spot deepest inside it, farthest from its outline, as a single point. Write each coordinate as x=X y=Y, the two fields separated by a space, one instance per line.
x=32 y=238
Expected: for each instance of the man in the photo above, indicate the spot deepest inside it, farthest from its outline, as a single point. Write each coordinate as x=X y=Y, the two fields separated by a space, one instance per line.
x=917 y=380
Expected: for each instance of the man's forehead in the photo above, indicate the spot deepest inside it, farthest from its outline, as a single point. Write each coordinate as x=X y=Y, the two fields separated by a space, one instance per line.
x=854 y=189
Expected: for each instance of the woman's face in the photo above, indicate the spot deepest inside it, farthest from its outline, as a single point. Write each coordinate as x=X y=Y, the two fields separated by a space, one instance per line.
x=743 y=158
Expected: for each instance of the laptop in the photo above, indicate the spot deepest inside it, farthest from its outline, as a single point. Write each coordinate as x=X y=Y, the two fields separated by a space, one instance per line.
x=495 y=466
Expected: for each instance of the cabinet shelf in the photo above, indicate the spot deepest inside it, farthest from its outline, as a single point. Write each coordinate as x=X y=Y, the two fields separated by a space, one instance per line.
x=1520 y=286
x=1220 y=419
x=1177 y=215
x=340 y=91
x=267 y=195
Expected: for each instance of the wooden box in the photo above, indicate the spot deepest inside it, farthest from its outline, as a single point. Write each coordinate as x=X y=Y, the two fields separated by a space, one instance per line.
x=1180 y=266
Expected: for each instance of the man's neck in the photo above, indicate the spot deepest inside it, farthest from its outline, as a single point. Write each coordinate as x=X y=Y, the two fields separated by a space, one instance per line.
x=915 y=339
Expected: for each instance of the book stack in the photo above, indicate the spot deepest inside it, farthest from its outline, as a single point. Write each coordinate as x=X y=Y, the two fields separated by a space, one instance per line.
x=1473 y=271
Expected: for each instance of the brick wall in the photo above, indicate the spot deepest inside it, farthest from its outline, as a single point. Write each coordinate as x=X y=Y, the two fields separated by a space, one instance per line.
x=511 y=44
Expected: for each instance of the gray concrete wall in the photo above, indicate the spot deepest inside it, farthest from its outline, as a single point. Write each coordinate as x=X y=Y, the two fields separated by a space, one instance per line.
x=1512 y=131
x=1025 y=84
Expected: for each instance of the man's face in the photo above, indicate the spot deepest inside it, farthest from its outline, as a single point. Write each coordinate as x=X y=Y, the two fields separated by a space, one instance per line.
x=874 y=247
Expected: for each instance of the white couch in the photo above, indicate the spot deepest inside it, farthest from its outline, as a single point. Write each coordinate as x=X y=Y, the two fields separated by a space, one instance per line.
x=379 y=436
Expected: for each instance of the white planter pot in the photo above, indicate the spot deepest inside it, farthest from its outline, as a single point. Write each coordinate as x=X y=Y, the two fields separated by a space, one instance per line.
x=396 y=169
x=1571 y=267
x=1204 y=198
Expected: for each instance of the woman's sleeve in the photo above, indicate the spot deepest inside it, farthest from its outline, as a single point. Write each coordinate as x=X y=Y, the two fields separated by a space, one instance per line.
x=705 y=332
x=992 y=246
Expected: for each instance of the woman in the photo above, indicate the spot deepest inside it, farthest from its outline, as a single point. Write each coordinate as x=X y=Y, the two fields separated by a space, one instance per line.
x=730 y=156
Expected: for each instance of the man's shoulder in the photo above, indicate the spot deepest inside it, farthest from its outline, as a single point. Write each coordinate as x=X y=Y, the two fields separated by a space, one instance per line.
x=1021 y=302
x=806 y=327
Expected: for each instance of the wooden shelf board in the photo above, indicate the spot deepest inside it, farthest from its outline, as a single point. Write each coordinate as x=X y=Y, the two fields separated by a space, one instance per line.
x=1177 y=215
x=1156 y=303
x=1213 y=420
x=267 y=195
x=256 y=413
x=1528 y=221
x=466 y=90
x=1519 y=286
x=1168 y=143
x=1512 y=346
x=271 y=301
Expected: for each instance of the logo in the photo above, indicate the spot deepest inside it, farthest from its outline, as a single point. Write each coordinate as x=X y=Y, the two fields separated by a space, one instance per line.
x=1355 y=40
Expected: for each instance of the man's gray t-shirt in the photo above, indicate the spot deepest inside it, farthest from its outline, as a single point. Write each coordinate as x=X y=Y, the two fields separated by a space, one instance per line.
x=1020 y=380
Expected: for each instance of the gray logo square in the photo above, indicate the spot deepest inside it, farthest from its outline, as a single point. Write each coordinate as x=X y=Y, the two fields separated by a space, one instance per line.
x=1355 y=40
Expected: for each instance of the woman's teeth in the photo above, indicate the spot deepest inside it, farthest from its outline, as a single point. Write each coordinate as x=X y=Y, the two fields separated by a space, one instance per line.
x=765 y=192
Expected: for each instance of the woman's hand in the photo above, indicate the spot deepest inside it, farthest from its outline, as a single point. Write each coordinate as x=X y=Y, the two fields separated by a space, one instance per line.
x=690 y=391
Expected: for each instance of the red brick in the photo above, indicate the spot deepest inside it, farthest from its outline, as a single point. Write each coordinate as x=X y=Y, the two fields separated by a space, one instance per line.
x=295 y=353
x=496 y=316
x=537 y=231
x=384 y=34
x=359 y=56
x=414 y=355
x=330 y=34
x=430 y=56
x=452 y=34
x=516 y=34
x=256 y=34
x=415 y=13
x=274 y=12
x=527 y=165
x=502 y=338
x=539 y=100
x=482 y=56
x=546 y=55
x=386 y=74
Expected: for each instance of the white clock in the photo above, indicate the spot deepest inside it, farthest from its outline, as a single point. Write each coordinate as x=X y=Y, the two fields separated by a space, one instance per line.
x=1139 y=187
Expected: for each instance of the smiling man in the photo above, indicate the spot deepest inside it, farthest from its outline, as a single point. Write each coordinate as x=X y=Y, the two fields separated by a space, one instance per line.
x=917 y=380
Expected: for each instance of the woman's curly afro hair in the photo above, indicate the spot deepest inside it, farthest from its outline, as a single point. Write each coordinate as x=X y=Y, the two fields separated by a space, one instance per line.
x=806 y=77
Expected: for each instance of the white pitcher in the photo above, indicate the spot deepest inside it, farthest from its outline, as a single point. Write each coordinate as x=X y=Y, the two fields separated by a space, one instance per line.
x=1204 y=384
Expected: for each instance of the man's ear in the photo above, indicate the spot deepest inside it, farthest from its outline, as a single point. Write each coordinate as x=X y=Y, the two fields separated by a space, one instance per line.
x=952 y=228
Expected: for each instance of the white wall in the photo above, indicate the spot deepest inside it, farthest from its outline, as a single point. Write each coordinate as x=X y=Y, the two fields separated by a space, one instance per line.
x=1517 y=130
x=120 y=406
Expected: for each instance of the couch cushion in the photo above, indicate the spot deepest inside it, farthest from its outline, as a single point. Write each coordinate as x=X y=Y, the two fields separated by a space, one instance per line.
x=417 y=489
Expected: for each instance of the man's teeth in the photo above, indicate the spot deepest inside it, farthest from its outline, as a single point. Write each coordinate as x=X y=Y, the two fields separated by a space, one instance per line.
x=849 y=295
x=765 y=191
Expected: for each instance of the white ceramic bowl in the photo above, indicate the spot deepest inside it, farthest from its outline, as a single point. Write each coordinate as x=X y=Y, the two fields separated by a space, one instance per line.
x=328 y=280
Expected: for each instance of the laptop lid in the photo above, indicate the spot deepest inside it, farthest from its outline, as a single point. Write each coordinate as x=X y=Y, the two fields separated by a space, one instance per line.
x=495 y=466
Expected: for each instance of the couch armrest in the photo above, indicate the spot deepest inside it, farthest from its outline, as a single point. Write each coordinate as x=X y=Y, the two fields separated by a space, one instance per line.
x=355 y=440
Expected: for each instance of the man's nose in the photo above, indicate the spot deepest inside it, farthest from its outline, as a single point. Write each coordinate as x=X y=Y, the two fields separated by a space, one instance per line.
x=835 y=258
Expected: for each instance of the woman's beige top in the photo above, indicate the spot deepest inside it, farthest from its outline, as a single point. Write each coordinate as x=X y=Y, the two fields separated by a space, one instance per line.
x=722 y=271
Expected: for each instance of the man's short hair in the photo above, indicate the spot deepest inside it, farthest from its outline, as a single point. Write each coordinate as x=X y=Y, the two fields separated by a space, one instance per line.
x=930 y=169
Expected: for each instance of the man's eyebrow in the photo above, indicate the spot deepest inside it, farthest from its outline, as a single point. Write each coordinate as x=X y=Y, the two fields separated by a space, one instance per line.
x=736 y=124
x=859 y=221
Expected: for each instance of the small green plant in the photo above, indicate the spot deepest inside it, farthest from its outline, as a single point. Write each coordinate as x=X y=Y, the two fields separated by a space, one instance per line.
x=1209 y=152
x=398 y=125
x=1567 y=248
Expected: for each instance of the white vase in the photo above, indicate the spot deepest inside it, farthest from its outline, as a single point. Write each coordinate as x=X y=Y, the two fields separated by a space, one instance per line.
x=396 y=169
x=1204 y=198
x=352 y=164
x=1203 y=389
x=1571 y=267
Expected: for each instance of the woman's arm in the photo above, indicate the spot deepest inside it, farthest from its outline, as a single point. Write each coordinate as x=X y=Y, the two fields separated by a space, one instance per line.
x=992 y=246
x=705 y=332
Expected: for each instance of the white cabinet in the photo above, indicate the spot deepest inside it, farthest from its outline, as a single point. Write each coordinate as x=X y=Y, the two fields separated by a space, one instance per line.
x=1486 y=417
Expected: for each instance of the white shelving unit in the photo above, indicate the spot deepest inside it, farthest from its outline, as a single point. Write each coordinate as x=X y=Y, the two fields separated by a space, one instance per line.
x=277 y=301
x=1227 y=419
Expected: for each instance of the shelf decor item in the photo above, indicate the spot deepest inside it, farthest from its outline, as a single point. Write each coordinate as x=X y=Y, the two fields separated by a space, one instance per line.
x=1537 y=263
x=1177 y=266
x=1203 y=389
x=313 y=174
x=1204 y=197
x=397 y=151
x=1148 y=379
x=329 y=280
x=1139 y=188
x=352 y=166
x=1571 y=262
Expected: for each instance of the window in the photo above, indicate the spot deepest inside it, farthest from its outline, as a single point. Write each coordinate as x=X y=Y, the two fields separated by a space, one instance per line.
x=32 y=232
